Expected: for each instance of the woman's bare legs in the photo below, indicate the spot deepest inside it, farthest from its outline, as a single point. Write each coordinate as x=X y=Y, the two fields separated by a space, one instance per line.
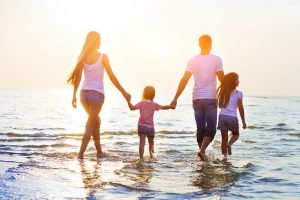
x=233 y=139
x=151 y=147
x=96 y=138
x=93 y=111
x=142 y=145
x=224 y=144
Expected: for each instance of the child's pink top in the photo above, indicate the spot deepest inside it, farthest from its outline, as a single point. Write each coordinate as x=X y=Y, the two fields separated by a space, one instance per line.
x=147 y=109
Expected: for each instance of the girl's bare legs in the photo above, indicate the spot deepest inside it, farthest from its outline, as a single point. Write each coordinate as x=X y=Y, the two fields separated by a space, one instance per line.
x=93 y=111
x=142 y=145
x=224 y=142
x=233 y=139
x=151 y=147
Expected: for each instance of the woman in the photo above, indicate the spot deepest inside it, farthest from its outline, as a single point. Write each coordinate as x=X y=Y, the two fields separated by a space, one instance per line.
x=93 y=64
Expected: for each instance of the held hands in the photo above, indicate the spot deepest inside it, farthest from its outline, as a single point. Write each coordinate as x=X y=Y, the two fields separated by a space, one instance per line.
x=173 y=104
x=127 y=96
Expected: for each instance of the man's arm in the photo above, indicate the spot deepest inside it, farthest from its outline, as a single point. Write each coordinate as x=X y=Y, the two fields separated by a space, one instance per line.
x=182 y=84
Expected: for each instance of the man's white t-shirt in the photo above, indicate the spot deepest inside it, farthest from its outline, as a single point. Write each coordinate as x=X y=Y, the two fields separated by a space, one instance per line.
x=231 y=108
x=204 y=69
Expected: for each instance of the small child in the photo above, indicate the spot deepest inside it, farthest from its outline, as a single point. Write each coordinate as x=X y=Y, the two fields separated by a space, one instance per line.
x=229 y=99
x=145 y=125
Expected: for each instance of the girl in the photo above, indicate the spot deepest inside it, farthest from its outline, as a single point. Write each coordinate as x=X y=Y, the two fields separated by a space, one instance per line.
x=229 y=100
x=93 y=64
x=145 y=124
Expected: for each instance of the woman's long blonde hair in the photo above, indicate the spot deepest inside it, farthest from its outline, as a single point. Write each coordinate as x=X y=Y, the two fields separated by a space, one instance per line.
x=92 y=41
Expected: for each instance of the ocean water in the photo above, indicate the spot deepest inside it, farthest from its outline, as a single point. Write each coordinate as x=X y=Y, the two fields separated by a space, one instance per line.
x=40 y=135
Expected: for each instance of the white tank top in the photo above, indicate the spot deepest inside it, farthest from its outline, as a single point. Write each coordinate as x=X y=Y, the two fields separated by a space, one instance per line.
x=93 y=76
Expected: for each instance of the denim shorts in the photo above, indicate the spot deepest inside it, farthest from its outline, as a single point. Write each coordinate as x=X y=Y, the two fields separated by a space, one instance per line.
x=149 y=132
x=227 y=122
x=205 y=111
x=91 y=97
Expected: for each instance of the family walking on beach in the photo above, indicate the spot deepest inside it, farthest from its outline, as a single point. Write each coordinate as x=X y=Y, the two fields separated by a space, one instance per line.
x=205 y=68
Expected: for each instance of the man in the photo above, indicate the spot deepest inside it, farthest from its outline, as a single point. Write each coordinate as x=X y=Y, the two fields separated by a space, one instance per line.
x=205 y=67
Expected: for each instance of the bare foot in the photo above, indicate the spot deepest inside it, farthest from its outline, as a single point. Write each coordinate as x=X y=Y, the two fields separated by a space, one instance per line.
x=151 y=153
x=229 y=149
x=80 y=156
x=101 y=154
x=151 y=156
x=224 y=157
x=201 y=155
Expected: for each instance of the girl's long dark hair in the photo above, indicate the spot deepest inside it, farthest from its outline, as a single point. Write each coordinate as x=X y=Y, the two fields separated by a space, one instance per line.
x=228 y=84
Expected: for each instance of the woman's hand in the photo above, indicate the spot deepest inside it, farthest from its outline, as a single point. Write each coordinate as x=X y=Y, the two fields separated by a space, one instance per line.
x=74 y=102
x=127 y=96
x=173 y=104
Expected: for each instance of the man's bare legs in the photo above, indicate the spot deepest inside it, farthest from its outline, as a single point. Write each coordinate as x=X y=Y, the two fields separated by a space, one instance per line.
x=205 y=111
x=206 y=141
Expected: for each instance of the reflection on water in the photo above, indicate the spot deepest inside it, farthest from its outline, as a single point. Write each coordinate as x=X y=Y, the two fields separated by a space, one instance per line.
x=214 y=175
x=140 y=172
x=91 y=177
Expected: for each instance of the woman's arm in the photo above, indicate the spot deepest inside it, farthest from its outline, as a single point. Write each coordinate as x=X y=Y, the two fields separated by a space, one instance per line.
x=114 y=79
x=242 y=112
x=76 y=85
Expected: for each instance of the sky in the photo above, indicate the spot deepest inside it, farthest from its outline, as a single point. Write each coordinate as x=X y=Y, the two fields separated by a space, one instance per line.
x=149 y=42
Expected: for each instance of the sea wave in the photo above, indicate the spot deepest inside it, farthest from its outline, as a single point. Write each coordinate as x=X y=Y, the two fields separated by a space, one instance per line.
x=248 y=141
x=255 y=127
x=281 y=124
x=280 y=129
x=27 y=139
x=295 y=134
x=60 y=144
x=36 y=129
x=289 y=140
x=55 y=135
x=38 y=134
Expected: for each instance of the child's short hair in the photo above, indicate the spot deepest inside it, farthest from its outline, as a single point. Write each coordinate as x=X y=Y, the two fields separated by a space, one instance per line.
x=205 y=41
x=149 y=92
